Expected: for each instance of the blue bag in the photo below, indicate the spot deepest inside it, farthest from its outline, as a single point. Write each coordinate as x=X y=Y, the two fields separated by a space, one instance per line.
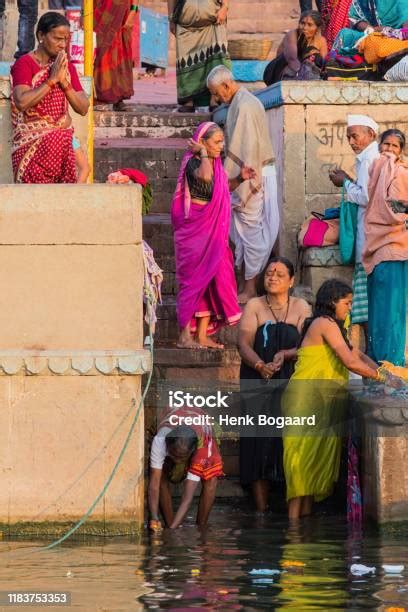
x=348 y=230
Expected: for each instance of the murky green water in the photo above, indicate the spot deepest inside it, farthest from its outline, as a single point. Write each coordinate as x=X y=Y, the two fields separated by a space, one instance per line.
x=212 y=569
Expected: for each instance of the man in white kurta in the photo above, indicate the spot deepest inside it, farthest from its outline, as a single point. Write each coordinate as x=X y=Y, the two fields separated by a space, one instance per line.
x=362 y=132
x=255 y=211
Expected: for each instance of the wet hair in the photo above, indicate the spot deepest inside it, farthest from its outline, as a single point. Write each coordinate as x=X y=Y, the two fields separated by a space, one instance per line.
x=397 y=133
x=49 y=21
x=182 y=439
x=315 y=15
x=261 y=280
x=329 y=294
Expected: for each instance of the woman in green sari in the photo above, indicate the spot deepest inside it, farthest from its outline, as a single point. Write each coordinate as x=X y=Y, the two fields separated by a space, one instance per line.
x=201 y=44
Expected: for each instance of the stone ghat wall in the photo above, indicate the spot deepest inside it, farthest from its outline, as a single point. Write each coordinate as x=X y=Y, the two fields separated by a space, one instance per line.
x=71 y=356
x=307 y=124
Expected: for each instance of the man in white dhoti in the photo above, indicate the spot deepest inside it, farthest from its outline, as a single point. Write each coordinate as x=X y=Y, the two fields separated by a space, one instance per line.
x=255 y=211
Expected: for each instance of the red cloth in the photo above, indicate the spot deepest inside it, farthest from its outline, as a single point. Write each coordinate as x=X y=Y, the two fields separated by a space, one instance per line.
x=42 y=144
x=206 y=461
x=335 y=18
x=113 y=71
x=135 y=175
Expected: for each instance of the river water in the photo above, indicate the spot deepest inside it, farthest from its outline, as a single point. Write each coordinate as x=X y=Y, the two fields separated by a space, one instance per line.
x=240 y=562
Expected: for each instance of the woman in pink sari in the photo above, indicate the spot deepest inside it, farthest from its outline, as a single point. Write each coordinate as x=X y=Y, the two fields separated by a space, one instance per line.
x=45 y=84
x=207 y=297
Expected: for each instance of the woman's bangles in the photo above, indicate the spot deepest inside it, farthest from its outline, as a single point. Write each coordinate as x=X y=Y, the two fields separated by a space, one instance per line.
x=259 y=365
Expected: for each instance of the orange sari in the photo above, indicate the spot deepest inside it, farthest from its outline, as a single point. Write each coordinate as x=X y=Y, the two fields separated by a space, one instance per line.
x=113 y=71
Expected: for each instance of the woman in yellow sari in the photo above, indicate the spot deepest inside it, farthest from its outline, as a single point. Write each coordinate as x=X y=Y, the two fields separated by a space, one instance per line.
x=317 y=388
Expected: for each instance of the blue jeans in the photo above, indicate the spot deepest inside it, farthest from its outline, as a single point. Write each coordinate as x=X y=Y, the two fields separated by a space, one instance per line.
x=64 y=4
x=307 y=5
x=28 y=10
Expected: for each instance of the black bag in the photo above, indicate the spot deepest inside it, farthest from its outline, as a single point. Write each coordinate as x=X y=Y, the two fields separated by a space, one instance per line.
x=364 y=72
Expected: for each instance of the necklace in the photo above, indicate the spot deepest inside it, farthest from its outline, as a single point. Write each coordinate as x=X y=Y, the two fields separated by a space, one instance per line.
x=281 y=308
x=39 y=60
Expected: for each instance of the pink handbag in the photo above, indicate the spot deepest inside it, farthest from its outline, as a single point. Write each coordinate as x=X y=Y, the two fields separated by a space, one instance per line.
x=319 y=232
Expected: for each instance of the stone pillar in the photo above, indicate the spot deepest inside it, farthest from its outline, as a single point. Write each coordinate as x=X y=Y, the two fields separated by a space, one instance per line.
x=384 y=452
x=71 y=355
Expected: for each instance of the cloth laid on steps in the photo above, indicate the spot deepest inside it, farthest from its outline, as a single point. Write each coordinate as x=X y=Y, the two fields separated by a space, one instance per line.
x=335 y=18
x=127 y=175
x=152 y=281
x=376 y=47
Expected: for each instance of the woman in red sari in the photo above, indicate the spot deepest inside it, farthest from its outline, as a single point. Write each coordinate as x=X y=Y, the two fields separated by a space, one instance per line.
x=45 y=84
x=113 y=70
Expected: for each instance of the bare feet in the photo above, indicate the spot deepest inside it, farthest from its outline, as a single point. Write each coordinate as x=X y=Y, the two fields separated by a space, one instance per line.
x=244 y=297
x=187 y=341
x=208 y=343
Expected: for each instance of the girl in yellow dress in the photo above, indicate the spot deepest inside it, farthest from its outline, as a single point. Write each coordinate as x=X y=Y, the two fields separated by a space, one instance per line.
x=318 y=387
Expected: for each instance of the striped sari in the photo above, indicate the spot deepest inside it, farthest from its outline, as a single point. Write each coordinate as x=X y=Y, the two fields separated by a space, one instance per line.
x=113 y=71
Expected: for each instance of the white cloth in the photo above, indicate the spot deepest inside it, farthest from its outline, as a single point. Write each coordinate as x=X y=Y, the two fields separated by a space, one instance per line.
x=255 y=227
x=158 y=452
x=365 y=120
x=358 y=192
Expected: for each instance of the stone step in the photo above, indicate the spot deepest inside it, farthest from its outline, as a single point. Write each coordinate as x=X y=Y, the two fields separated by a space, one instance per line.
x=247 y=25
x=321 y=264
x=158 y=232
x=201 y=365
x=167 y=329
x=146 y=122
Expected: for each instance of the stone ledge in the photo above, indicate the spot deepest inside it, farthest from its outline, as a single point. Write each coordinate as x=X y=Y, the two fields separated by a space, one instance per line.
x=386 y=413
x=325 y=92
x=322 y=256
x=75 y=363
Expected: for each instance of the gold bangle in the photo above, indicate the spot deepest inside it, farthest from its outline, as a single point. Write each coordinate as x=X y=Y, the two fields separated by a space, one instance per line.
x=259 y=363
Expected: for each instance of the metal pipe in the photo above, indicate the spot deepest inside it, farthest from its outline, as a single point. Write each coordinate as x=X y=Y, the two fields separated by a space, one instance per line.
x=88 y=71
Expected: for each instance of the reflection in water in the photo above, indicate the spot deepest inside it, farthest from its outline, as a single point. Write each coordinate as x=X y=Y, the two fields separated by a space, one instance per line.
x=240 y=562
